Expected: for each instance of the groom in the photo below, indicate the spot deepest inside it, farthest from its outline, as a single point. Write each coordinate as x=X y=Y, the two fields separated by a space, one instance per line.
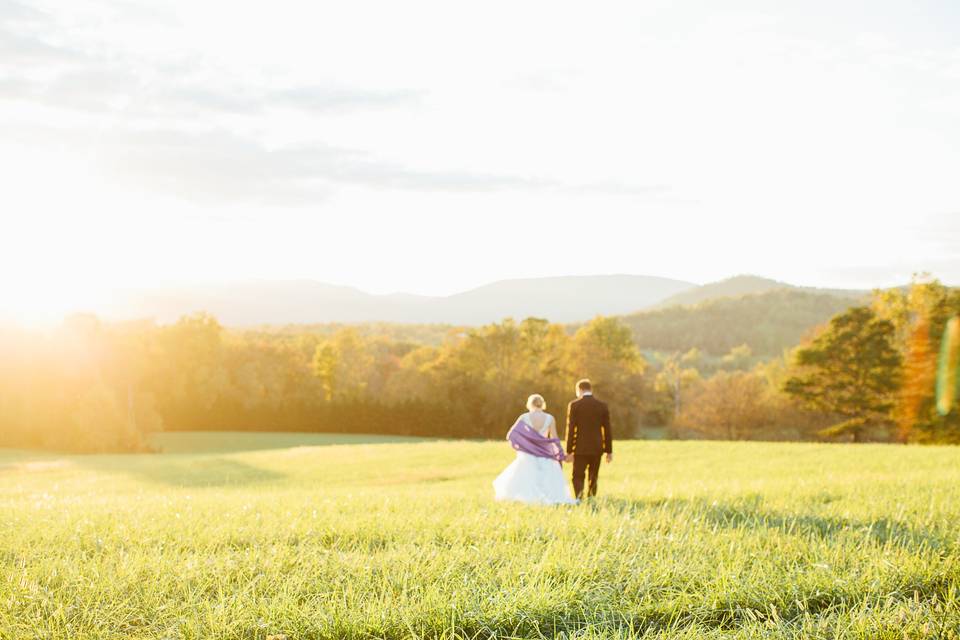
x=588 y=437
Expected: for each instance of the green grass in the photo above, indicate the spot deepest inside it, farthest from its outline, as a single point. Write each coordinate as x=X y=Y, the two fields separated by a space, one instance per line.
x=397 y=540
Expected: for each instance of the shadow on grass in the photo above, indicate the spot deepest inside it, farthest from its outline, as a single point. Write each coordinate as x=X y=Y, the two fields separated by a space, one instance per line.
x=595 y=618
x=881 y=531
x=184 y=472
x=194 y=442
x=749 y=514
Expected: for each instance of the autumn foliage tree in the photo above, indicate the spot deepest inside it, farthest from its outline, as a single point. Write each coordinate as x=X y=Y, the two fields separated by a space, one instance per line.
x=80 y=388
x=919 y=313
x=731 y=405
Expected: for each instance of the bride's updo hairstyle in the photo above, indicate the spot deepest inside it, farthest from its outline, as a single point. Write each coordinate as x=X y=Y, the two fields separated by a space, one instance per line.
x=536 y=401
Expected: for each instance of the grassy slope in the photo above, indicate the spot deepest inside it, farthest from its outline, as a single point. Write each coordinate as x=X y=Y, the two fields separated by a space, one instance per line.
x=691 y=539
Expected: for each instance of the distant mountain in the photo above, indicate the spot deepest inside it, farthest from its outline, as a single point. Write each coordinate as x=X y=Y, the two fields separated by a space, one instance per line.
x=563 y=299
x=767 y=322
x=560 y=299
x=744 y=285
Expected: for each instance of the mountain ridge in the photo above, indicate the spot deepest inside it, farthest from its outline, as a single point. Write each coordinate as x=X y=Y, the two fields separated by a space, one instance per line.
x=563 y=299
x=558 y=298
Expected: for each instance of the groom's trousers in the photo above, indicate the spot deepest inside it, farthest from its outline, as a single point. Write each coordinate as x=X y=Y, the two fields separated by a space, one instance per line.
x=588 y=465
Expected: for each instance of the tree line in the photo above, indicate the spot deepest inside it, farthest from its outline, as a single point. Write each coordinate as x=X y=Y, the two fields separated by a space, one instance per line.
x=93 y=386
x=868 y=374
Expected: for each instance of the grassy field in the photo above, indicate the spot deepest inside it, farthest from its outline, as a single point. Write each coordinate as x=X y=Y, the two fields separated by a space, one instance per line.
x=291 y=535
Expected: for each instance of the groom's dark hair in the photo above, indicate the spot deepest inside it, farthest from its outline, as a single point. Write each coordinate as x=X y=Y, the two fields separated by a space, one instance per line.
x=584 y=385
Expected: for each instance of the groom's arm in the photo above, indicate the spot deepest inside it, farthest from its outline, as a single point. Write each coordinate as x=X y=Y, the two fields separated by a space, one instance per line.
x=571 y=429
x=607 y=431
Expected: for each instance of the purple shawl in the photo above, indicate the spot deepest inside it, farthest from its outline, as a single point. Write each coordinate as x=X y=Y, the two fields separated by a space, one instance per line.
x=523 y=437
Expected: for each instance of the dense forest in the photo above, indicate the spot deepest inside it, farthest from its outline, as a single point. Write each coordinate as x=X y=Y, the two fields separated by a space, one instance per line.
x=867 y=374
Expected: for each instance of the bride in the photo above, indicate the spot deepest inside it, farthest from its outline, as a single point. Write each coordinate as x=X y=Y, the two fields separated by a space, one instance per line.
x=535 y=475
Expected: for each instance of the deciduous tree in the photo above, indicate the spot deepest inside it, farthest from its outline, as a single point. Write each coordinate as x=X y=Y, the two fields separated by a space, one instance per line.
x=851 y=370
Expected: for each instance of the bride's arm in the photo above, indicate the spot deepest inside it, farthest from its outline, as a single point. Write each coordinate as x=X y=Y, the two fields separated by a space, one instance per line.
x=552 y=430
x=519 y=418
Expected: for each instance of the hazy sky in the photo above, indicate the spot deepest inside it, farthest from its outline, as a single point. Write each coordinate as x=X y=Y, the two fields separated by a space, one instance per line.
x=434 y=146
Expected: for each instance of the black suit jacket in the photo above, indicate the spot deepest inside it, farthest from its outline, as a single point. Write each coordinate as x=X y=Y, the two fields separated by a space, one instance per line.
x=588 y=427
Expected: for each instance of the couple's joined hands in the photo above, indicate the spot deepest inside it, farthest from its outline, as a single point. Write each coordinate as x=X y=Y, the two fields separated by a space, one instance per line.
x=569 y=458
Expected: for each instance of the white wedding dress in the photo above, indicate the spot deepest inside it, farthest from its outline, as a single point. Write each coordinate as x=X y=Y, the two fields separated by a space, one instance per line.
x=533 y=479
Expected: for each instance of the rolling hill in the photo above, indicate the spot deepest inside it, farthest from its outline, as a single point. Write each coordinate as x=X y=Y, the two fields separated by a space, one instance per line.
x=745 y=285
x=767 y=322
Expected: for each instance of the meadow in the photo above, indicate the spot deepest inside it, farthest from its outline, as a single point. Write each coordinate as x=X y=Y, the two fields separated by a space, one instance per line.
x=247 y=535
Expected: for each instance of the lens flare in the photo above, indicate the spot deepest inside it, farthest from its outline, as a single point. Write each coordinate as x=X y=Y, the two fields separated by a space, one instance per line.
x=947 y=368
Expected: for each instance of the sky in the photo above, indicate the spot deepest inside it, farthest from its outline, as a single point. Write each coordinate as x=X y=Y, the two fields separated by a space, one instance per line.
x=430 y=147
